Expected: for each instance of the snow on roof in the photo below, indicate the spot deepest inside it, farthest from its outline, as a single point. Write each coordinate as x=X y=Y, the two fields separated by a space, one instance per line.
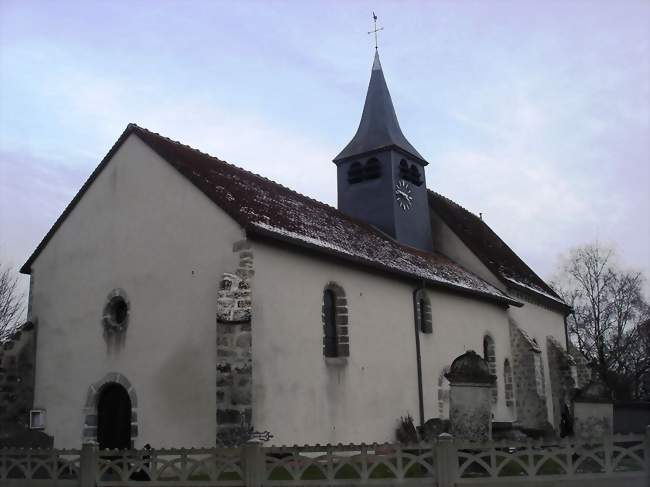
x=269 y=210
x=495 y=254
x=535 y=289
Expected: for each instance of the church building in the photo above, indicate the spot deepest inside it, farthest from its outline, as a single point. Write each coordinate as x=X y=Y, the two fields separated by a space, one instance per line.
x=180 y=300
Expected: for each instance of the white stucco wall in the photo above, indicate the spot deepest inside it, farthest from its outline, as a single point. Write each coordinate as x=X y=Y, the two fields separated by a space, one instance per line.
x=301 y=399
x=448 y=243
x=459 y=324
x=538 y=321
x=144 y=228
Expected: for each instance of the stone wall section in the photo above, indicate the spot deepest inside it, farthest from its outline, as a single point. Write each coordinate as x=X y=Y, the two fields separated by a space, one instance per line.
x=234 y=385
x=562 y=383
x=530 y=406
x=17 y=356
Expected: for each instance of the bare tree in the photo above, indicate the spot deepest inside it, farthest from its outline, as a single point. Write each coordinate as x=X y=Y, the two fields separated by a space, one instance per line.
x=609 y=312
x=11 y=301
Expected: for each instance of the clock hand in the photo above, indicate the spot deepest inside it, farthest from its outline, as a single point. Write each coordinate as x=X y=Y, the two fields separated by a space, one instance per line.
x=405 y=195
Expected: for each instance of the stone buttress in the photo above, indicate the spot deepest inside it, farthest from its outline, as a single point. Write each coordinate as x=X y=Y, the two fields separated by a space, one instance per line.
x=530 y=397
x=234 y=350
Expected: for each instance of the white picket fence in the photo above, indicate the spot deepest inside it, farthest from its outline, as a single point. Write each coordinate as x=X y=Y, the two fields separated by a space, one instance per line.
x=614 y=461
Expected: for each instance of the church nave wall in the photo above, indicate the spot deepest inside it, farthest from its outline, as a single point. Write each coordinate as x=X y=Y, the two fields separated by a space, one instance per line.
x=132 y=231
x=460 y=324
x=301 y=397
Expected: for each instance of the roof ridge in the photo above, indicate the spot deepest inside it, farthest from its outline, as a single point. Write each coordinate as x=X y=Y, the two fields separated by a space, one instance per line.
x=505 y=270
x=455 y=204
x=264 y=178
x=325 y=228
x=230 y=164
x=330 y=209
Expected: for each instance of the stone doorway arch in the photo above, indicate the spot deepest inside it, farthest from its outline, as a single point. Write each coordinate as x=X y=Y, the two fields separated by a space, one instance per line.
x=109 y=384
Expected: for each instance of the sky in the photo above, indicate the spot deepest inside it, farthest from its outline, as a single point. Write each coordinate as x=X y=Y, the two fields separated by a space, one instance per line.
x=535 y=114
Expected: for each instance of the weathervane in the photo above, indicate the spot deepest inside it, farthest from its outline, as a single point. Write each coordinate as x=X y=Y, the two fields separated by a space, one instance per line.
x=374 y=18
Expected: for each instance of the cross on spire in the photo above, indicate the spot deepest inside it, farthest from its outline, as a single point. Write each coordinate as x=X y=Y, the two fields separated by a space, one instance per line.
x=374 y=18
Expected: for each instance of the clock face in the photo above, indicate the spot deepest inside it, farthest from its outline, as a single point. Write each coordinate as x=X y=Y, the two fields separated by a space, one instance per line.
x=403 y=195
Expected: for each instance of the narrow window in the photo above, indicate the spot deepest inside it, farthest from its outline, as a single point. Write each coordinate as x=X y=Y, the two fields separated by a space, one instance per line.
x=329 y=316
x=507 y=381
x=414 y=175
x=488 y=353
x=539 y=373
x=490 y=357
x=423 y=318
x=422 y=311
x=403 y=170
x=355 y=173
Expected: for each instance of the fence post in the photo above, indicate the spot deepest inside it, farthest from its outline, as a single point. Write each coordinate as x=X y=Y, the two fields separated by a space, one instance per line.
x=88 y=465
x=445 y=460
x=254 y=464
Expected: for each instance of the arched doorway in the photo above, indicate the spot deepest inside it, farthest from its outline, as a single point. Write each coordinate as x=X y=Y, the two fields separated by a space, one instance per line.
x=114 y=417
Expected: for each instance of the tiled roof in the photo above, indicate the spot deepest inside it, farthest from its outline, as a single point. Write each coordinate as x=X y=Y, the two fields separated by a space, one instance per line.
x=490 y=249
x=268 y=210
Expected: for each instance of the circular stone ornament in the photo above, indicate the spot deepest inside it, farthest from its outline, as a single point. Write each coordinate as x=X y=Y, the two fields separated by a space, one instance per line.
x=115 y=317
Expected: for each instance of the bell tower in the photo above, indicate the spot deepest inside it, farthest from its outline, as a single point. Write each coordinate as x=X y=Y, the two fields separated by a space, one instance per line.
x=380 y=175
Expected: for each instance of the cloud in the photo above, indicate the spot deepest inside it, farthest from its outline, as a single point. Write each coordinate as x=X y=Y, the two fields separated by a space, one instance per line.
x=524 y=114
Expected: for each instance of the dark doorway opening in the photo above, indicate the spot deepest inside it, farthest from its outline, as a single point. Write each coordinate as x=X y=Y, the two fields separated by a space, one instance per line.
x=114 y=417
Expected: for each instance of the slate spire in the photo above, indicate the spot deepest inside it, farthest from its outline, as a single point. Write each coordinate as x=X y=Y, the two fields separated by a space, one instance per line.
x=379 y=128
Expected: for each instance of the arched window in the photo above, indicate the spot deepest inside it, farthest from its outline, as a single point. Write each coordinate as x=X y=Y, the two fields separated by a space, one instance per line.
x=414 y=174
x=411 y=174
x=403 y=169
x=355 y=173
x=372 y=169
x=422 y=311
x=329 y=317
x=358 y=172
x=489 y=356
x=335 y=322
x=507 y=381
